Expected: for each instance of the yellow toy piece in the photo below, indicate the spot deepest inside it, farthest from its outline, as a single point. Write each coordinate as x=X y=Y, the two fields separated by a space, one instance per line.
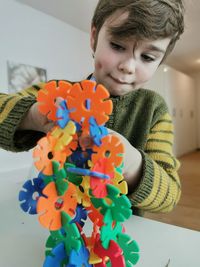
x=64 y=136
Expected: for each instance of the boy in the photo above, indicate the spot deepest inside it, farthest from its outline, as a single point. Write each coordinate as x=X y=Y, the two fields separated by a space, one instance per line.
x=129 y=39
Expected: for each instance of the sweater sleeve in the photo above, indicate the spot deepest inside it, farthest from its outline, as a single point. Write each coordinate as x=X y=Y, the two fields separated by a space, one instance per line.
x=159 y=189
x=13 y=108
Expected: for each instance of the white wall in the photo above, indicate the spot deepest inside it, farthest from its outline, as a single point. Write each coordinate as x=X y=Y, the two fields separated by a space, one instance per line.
x=180 y=93
x=196 y=77
x=182 y=103
x=31 y=37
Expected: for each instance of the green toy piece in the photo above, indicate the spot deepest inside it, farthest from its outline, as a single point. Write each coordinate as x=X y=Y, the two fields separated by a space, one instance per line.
x=69 y=235
x=130 y=249
x=72 y=177
x=119 y=205
x=110 y=230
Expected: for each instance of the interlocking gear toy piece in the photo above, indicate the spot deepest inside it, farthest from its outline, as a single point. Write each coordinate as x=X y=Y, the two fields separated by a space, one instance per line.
x=77 y=183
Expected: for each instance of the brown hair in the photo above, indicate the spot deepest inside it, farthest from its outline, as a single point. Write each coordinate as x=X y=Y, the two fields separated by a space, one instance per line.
x=147 y=19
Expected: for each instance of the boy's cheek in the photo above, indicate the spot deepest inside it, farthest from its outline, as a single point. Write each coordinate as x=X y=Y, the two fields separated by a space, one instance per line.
x=98 y=65
x=103 y=60
x=145 y=75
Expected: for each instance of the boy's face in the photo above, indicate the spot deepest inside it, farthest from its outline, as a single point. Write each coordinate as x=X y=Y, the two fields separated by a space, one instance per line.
x=124 y=65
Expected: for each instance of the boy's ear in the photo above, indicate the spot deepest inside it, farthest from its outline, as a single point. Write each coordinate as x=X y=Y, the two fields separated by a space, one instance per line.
x=93 y=37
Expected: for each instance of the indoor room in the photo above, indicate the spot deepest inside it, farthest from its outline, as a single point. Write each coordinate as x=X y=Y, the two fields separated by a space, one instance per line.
x=44 y=40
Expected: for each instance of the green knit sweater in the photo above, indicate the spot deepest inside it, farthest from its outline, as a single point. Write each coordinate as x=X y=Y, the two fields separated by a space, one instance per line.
x=140 y=116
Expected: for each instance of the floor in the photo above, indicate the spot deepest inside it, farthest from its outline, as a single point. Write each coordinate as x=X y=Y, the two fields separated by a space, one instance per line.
x=187 y=212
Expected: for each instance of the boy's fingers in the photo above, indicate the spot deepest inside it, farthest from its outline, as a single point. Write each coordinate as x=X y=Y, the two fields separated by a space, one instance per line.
x=85 y=141
x=48 y=126
x=58 y=101
x=115 y=133
x=111 y=131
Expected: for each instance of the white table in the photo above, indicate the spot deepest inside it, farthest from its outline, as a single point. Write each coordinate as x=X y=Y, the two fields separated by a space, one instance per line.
x=22 y=239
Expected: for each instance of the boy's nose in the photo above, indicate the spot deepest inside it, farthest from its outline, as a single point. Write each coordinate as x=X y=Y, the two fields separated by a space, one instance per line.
x=127 y=66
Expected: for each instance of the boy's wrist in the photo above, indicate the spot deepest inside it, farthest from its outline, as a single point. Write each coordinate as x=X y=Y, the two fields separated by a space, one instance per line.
x=25 y=122
x=29 y=121
x=133 y=173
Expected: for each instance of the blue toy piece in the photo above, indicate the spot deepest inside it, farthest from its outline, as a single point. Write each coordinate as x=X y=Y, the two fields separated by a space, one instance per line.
x=63 y=114
x=79 y=258
x=93 y=79
x=88 y=104
x=58 y=257
x=96 y=131
x=81 y=215
x=78 y=157
x=86 y=172
x=29 y=194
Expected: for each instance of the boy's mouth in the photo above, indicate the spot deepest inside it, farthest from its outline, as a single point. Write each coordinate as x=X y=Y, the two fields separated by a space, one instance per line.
x=119 y=80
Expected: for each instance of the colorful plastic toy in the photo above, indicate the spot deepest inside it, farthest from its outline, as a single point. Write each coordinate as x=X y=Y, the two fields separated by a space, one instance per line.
x=77 y=184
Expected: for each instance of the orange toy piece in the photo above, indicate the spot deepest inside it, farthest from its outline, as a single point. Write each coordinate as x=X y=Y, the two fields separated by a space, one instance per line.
x=93 y=214
x=89 y=100
x=45 y=154
x=50 y=208
x=112 y=149
x=68 y=149
x=48 y=95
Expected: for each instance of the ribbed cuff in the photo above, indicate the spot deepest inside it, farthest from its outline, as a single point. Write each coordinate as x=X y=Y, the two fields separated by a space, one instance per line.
x=12 y=139
x=146 y=184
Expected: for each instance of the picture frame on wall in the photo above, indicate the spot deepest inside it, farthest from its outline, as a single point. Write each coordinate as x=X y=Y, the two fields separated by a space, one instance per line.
x=21 y=76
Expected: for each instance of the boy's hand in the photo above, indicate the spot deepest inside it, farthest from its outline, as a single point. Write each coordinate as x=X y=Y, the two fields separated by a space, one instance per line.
x=132 y=159
x=34 y=120
x=132 y=162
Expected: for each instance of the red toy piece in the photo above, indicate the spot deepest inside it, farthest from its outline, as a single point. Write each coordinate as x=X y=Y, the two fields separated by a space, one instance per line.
x=114 y=253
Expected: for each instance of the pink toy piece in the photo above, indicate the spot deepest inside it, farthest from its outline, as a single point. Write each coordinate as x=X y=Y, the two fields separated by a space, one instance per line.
x=114 y=253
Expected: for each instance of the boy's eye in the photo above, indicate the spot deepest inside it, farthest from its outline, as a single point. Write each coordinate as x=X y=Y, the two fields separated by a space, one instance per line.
x=117 y=46
x=147 y=58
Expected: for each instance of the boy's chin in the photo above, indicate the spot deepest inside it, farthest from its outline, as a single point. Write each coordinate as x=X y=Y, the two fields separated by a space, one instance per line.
x=120 y=91
x=114 y=93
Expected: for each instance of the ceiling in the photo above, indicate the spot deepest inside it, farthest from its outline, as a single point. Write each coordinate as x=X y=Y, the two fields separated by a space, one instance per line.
x=78 y=13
